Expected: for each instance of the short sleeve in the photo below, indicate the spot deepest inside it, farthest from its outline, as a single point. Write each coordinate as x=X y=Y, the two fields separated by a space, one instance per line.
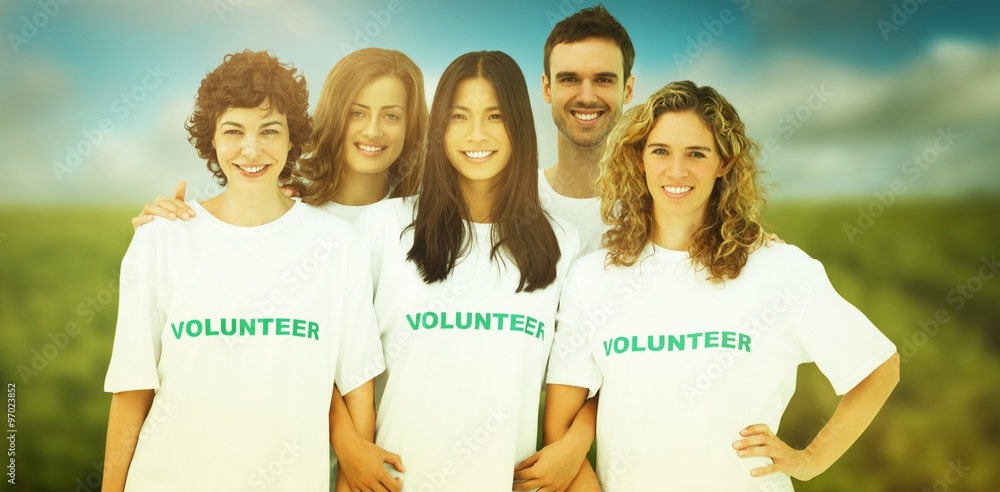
x=845 y=345
x=136 y=350
x=571 y=361
x=360 y=350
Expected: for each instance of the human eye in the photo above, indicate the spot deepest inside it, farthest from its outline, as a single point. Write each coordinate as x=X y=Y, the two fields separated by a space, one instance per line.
x=270 y=131
x=391 y=116
x=457 y=116
x=357 y=113
x=658 y=151
x=698 y=154
x=568 y=80
x=496 y=117
x=231 y=131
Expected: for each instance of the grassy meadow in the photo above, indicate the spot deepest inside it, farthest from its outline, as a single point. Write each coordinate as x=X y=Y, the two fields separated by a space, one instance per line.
x=916 y=261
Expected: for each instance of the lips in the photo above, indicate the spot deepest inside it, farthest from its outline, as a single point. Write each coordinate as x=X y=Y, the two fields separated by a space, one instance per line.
x=586 y=116
x=370 y=149
x=478 y=154
x=676 y=191
x=252 y=171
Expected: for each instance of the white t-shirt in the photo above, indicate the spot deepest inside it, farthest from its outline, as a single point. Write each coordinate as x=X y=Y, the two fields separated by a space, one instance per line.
x=684 y=364
x=582 y=213
x=465 y=357
x=241 y=331
x=349 y=213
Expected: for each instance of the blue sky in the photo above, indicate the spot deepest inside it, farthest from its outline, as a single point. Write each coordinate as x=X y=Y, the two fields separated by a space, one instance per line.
x=892 y=91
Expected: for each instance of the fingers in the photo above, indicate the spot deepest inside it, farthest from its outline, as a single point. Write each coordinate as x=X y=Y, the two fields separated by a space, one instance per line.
x=527 y=463
x=394 y=460
x=765 y=470
x=757 y=429
x=168 y=208
x=525 y=474
x=140 y=220
x=290 y=191
x=528 y=484
x=180 y=191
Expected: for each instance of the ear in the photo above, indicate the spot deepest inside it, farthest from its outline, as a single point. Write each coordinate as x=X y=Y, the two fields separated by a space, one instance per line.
x=629 y=88
x=546 y=89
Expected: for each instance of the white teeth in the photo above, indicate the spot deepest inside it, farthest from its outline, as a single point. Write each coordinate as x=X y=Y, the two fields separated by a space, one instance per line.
x=251 y=170
x=479 y=154
x=586 y=116
x=677 y=190
x=369 y=148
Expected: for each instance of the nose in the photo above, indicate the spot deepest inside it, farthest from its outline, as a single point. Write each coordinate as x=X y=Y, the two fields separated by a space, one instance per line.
x=251 y=148
x=587 y=94
x=476 y=132
x=372 y=130
x=676 y=167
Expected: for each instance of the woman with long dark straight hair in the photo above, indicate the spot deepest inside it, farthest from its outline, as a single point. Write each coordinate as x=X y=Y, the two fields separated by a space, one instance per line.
x=467 y=278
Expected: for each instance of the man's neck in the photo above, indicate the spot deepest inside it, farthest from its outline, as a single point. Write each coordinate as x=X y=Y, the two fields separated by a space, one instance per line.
x=574 y=174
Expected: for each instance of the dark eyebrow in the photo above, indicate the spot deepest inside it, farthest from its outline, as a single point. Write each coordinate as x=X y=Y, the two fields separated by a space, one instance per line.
x=237 y=125
x=607 y=75
x=693 y=147
x=463 y=108
x=364 y=106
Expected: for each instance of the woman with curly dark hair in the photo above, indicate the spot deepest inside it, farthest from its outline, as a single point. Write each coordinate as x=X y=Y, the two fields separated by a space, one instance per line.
x=233 y=328
x=367 y=141
x=692 y=324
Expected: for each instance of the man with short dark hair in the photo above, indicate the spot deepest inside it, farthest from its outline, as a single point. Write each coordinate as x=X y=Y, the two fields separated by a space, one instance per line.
x=588 y=78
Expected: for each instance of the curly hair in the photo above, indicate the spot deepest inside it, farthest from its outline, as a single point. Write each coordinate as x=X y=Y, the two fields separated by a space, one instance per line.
x=732 y=225
x=248 y=80
x=323 y=170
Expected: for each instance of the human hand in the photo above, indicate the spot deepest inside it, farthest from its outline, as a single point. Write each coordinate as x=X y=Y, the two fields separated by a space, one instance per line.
x=291 y=191
x=552 y=468
x=169 y=208
x=758 y=440
x=360 y=465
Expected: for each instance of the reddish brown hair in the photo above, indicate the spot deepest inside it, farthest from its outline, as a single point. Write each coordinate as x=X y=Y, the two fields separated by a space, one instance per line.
x=248 y=80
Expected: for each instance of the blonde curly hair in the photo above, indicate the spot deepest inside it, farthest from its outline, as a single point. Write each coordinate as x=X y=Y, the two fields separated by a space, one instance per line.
x=732 y=226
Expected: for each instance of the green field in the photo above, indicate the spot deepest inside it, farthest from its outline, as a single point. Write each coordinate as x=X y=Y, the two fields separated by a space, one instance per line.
x=58 y=276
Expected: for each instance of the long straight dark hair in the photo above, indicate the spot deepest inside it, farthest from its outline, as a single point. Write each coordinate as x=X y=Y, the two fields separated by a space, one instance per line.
x=520 y=229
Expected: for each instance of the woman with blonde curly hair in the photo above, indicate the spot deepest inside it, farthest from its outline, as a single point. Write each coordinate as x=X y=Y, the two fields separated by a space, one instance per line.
x=691 y=324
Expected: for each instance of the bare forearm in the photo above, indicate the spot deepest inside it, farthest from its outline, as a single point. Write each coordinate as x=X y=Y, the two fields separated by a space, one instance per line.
x=360 y=403
x=855 y=412
x=128 y=412
x=563 y=406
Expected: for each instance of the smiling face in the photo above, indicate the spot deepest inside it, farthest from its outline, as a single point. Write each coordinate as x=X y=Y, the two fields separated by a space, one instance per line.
x=476 y=140
x=376 y=126
x=682 y=163
x=252 y=145
x=586 y=89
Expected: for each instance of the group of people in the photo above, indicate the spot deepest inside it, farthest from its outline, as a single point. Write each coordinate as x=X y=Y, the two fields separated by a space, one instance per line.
x=400 y=283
